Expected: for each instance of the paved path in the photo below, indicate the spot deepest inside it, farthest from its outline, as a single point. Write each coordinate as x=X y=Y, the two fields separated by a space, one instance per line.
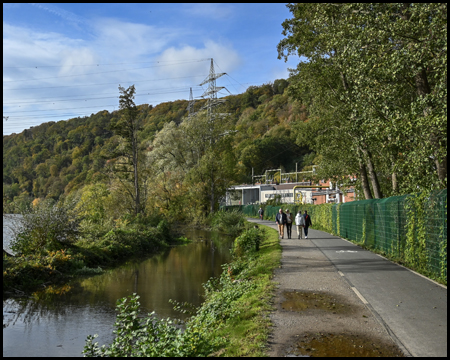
x=411 y=308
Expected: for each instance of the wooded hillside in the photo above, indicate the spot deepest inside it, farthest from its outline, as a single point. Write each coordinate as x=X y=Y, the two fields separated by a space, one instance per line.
x=59 y=158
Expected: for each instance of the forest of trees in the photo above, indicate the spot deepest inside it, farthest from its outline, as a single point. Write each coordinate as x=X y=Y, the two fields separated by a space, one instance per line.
x=369 y=100
x=59 y=159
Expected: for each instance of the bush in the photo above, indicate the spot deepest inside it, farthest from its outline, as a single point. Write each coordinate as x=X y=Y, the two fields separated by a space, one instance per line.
x=46 y=227
x=248 y=241
x=231 y=222
x=150 y=336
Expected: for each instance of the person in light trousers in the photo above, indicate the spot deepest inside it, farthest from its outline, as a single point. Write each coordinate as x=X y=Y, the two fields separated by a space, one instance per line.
x=281 y=221
x=300 y=223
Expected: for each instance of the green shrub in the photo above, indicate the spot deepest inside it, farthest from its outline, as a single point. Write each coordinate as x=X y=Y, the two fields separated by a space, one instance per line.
x=46 y=227
x=231 y=222
x=150 y=336
x=248 y=241
x=221 y=294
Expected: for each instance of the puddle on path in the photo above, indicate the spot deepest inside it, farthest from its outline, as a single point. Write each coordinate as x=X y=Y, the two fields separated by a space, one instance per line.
x=342 y=345
x=299 y=301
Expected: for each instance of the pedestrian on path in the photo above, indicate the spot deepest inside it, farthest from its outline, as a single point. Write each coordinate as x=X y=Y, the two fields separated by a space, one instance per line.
x=261 y=213
x=308 y=223
x=289 y=223
x=299 y=222
x=281 y=222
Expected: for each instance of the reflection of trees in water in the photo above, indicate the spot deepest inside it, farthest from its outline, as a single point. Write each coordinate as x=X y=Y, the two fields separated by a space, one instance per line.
x=174 y=274
x=53 y=303
x=28 y=311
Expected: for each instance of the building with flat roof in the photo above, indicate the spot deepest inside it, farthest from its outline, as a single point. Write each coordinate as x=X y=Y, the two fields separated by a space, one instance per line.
x=289 y=193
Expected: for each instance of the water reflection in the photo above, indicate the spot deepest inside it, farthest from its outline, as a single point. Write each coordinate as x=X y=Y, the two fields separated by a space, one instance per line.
x=57 y=322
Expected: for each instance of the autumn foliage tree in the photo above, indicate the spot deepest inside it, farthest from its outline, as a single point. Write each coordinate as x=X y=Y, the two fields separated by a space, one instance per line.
x=127 y=153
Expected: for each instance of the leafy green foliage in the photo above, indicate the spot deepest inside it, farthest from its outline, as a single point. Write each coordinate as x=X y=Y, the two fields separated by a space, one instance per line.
x=31 y=271
x=375 y=87
x=248 y=242
x=127 y=155
x=46 y=227
x=232 y=222
x=150 y=336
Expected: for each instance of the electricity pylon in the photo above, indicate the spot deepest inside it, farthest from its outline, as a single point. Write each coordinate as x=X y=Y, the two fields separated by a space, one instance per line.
x=212 y=102
x=212 y=91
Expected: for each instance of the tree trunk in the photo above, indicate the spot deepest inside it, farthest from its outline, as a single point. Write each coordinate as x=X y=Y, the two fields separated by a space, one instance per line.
x=373 y=175
x=364 y=180
x=394 y=183
x=422 y=86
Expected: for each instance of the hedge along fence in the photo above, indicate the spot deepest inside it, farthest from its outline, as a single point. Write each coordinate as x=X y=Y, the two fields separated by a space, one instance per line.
x=321 y=215
x=410 y=229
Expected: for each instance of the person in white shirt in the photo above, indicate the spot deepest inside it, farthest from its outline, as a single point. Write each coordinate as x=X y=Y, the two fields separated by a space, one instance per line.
x=300 y=223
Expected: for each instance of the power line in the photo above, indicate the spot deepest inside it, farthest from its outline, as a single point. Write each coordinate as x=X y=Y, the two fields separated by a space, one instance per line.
x=141 y=62
x=25 y=111
x=230 y=77
x=102 y=72
x=72 y=97
x=172 y=91
x=94 y=107
x=53 y=87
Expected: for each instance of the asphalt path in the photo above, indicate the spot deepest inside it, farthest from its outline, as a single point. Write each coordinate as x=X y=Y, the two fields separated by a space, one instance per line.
x=411 y=307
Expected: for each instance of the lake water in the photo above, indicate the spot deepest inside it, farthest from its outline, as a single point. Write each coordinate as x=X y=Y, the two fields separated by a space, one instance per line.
x=57 y=322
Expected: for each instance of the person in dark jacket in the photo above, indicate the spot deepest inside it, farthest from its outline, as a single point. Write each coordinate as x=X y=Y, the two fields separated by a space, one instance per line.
x=289 y=223
x=261 y=213
x=281 y=221
x=308 y=223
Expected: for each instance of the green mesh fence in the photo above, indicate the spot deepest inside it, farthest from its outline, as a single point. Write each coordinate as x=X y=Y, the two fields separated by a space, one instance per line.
x=383 y=224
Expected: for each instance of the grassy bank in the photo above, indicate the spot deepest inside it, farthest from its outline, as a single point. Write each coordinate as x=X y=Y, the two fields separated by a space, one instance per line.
x=232 y=321
x=247 y=328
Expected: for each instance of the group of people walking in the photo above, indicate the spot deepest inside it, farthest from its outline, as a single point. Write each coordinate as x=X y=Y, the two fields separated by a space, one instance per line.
x=303 y=222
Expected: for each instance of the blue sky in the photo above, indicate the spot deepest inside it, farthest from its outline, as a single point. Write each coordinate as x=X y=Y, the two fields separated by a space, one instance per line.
x=67 y=60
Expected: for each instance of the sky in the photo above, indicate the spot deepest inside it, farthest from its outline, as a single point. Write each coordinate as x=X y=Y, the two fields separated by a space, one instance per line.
x=62 y=61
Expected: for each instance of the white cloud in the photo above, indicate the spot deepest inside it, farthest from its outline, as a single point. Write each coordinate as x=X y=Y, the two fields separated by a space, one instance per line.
x=71 y=57
x=23 y=47
x=227 y=58
x=127 y=40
